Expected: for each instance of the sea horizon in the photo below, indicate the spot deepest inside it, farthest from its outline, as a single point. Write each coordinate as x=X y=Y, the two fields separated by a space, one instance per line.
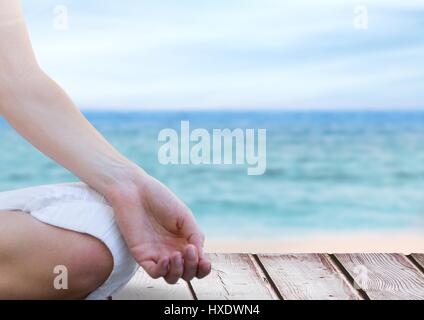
x=249 y=110
x=327 y=171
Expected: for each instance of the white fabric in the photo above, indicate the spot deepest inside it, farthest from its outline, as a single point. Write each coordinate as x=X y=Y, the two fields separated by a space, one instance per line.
x=77 y=207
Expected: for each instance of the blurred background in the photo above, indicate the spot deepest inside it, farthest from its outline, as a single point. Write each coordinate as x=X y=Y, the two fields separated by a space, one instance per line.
x=326 y=171
x=337 y=85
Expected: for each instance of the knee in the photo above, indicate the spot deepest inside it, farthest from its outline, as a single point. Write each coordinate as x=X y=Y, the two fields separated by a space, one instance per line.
x=91 y=265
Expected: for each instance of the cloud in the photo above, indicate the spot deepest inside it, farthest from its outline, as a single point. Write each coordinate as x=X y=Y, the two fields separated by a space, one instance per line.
x=233 y=54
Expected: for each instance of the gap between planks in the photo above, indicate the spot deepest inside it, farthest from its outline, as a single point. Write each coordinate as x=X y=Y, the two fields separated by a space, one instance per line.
x=308 y=277
x=384 y=276
x=418 y=260
x=234 y=277
x=291 y=276
x=342 y=270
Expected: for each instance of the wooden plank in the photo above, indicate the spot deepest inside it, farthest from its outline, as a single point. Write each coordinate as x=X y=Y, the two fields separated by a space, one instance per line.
x=143 y=287
x=307 y=277
x=384 y=276
x=419 y=258
x=234 y=276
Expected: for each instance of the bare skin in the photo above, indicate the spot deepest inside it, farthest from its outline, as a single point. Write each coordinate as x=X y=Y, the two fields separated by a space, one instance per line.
x=27 y=266
x=160 y=230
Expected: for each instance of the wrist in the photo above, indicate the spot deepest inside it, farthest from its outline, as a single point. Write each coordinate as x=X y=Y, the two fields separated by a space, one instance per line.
x=124 y=181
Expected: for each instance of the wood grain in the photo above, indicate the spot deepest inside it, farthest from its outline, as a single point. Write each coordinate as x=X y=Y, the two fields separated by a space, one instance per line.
x=307 y=277
x=234 y=276
x=419 y=258
x=143 y=287
x=384 y=276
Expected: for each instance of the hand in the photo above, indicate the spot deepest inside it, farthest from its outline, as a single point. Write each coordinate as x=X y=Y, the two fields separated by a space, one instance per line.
x=159 y=229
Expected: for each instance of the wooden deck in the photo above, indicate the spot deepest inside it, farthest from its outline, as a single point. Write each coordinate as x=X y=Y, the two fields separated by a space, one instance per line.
x=374 y=276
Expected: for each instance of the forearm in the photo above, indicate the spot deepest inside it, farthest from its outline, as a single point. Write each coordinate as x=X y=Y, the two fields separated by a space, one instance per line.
x=44 y=115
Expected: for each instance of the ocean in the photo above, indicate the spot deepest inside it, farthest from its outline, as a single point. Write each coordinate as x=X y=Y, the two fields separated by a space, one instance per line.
x=326 y=171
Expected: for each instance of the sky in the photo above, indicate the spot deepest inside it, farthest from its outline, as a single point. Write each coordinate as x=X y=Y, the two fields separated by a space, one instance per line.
x=238 y=54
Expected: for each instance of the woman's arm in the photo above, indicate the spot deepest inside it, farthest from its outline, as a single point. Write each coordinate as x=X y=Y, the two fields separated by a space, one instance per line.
x=158 y=228
x=42 y=112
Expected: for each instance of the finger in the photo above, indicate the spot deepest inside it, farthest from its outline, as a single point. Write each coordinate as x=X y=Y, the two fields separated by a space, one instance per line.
x=191 y=260
x=190 y=229
x=198 y=240
x=204 y=268
x=176 y=268
x=156 y=269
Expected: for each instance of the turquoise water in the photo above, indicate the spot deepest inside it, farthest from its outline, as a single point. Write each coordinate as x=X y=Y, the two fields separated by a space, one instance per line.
x=326 y=171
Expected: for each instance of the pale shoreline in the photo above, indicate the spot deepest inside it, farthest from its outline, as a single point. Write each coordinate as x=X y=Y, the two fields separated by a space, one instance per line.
x=400 y=242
